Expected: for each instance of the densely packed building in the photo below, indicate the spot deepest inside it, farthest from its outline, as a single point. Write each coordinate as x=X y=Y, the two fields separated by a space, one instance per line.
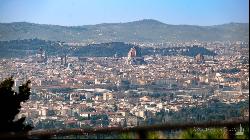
x=108 y=91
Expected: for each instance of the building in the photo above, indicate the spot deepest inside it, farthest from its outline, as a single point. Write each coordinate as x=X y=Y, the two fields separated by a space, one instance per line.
x=133 y=59
x=132 y=53
x=107 y=96
x=41 y=56
x=199 y=58
x=64 y=60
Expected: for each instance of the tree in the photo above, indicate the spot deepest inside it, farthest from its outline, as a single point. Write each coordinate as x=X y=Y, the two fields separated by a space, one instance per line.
x=10 y=106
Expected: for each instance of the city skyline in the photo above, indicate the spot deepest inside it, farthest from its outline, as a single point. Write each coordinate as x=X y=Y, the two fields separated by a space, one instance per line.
x=75 y=13
x=129 y=68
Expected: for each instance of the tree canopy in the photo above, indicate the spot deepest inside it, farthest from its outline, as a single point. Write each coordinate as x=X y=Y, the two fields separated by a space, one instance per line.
x=10 y=104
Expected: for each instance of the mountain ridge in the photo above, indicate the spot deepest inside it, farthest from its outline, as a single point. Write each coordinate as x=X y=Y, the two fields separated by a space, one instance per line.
x=136 y=21
x=146 y=30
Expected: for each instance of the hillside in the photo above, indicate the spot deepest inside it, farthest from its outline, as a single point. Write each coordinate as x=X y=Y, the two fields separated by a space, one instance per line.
x=22 y=48
x=147 y=30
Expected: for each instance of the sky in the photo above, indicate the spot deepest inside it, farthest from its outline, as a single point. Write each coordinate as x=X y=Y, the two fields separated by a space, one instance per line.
x=89 y=12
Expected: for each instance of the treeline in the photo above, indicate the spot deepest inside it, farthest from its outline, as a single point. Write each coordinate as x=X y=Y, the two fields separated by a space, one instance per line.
x=22 y=48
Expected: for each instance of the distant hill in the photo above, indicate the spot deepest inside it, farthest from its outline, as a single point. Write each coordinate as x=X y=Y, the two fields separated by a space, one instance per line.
x=21 y=48
x=147 y=30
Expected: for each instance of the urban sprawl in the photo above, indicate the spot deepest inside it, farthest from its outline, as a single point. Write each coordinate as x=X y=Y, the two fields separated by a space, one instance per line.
x=68 y=91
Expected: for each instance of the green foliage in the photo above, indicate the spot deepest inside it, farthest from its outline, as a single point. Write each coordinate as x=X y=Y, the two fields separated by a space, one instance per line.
x=49 y=124
x=115 y=107
x=146 y=31
x=100 y=119
x=214 y=133
x=21 y=48
x=128 y=135
x=10 y=106
x=154 y=135
x=149 y=135
x=89 y=101
x=245 y=133
x=82 y=118
x=214 y=111
x=51 y=113
x=86 y=127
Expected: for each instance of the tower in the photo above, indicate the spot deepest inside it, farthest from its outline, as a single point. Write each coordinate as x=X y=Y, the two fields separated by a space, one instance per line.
x=61 y=60
x=46 y=56
x=39 y=54
x=65 y=59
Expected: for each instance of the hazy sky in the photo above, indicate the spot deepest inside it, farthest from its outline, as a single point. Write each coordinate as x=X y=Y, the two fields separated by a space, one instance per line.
x=84 y=12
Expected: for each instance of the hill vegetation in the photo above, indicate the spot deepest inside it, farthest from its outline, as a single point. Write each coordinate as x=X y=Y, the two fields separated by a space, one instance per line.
x=147 y=30
x=22 y=48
